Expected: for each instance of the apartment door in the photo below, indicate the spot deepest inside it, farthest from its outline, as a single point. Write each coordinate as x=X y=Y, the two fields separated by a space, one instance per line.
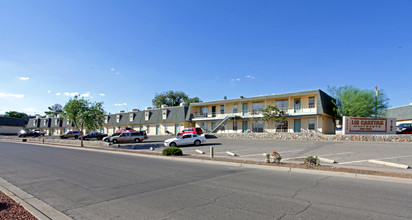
x=157 y=129
x=297 y=126
x=297 y=105
x=213 y=111
x=245 y=110
x=176 y=128
x=244 y=126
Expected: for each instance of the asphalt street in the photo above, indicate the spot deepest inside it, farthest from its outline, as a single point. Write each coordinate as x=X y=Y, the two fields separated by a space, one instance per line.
x=98 y=185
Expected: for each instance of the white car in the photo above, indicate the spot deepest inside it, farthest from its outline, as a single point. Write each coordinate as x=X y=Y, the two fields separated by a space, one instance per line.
x=185 y=139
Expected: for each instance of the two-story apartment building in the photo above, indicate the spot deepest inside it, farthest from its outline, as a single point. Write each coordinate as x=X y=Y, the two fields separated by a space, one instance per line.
x=307 y=111
x=158 y=121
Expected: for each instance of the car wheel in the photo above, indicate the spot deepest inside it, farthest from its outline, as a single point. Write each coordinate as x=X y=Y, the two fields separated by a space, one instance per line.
x=106 y=140
x=173 y=144
x=137 y=140
x=115 y=141
x=197 y=142
x=75 y=137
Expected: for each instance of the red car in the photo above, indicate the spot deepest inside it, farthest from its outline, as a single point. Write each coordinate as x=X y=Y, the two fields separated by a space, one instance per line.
x=405 y=131
x=125 y=130
x=192 y=130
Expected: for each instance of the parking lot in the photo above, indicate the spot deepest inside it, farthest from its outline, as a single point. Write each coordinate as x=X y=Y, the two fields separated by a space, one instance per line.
x=346 y=154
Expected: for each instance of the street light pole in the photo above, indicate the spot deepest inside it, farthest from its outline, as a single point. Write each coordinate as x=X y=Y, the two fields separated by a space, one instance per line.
x=376 y=101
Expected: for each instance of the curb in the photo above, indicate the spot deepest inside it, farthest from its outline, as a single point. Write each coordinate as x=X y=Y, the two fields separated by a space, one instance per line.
x=36 y=207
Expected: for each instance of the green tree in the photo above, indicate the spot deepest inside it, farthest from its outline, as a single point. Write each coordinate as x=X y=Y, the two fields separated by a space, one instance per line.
x=351 y=101
x=84 y=114
x=273 y=113
x=172 y=98
x=14 y=114
x=54 y=110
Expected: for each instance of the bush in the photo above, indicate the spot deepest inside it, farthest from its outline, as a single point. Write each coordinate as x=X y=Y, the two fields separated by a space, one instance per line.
x=172 y=151
x=312 y=160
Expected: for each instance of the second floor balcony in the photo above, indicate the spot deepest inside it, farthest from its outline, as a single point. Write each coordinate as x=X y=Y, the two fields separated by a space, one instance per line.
x=294 y=110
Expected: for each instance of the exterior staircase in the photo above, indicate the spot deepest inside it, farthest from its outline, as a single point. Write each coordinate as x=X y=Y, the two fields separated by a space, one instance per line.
x=225 y=119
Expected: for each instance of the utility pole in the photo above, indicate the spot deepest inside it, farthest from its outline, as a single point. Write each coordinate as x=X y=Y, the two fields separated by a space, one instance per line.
x=376 y=101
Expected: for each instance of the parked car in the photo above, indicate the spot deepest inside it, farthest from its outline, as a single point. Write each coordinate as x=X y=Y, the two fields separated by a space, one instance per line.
x=136 y=136
x=185 y=139
x=28 y=133
x=69 y=134
x=107 y=138
x=403 y=126
x=405 y=131
x=192 y=130
x=40 y=132
x=91 y=135
x=125 y=130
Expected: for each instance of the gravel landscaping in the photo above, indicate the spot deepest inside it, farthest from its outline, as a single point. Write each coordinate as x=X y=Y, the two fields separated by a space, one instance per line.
x=10 y=209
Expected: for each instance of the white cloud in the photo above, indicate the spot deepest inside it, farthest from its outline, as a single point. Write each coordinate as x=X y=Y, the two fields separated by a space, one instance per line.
x=58 y=93
x=87 y=94
x=112 y=69
x=102 y=94
x=23 y=78
x=71 y=93
x=250 y=77
x=117 y=73
x=19 y=96
x=237 y=79
x=49 y=91
x=120 y=104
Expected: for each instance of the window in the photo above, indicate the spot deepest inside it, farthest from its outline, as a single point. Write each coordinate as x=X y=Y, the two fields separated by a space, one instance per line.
x=282 y=105
x=203 y=126
x=311 y=102
x=257 y=107
x=146 y=116
x=222 y=109
x=234 y=125
x=164 y=114
x=131 y=116
x=213 y=125
x=311 y=124
x=203 y=112
x=117 y=118
x=257 y=126
x=282 y=126
x=234 y=108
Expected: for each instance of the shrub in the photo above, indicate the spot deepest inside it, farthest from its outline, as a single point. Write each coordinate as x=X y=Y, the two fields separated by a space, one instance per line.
x=267 y=158
x=172 y=151
x=312 y=160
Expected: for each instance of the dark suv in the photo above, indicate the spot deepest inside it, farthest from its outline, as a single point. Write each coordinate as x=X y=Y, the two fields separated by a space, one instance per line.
x=193 y=130
x=73 y=134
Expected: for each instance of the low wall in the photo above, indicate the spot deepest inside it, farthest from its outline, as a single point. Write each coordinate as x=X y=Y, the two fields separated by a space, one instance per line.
x=315 y=137
x=57 y=141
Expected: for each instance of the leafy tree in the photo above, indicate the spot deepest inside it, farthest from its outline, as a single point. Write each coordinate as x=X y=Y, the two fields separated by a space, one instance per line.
x=84 y=114
x=14 y=114
x=54 y=110
x=273 y=113
x=172 y=98
x=351 y=101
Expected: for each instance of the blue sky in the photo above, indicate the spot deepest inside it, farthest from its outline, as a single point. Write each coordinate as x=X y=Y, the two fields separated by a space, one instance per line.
x=124 y=52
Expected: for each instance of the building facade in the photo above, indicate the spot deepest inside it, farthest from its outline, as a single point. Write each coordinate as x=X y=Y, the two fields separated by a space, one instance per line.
x=403 y=114
x=307 y=111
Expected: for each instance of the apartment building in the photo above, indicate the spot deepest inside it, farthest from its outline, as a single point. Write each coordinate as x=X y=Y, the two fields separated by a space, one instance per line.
x=306 y=111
